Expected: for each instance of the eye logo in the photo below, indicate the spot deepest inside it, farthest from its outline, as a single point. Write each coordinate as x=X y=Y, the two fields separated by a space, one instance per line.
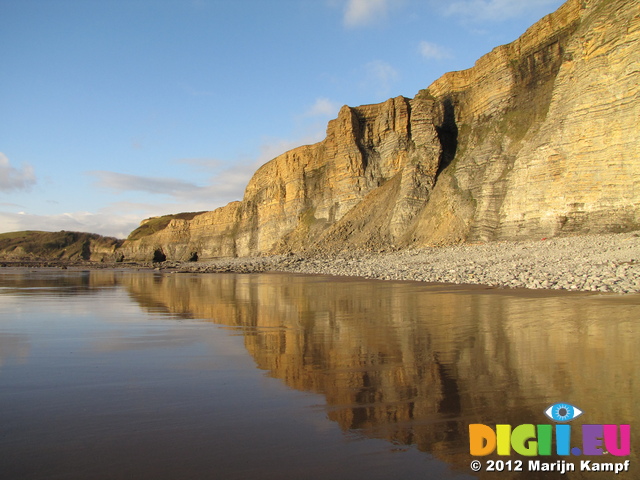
x=562 y=412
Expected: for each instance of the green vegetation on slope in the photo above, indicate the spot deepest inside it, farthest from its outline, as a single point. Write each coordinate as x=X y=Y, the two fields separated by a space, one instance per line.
x=155 y=224
x=61 y=245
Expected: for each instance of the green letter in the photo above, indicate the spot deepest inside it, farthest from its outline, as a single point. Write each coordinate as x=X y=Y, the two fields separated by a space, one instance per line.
x=544 y=439
x=523 y=440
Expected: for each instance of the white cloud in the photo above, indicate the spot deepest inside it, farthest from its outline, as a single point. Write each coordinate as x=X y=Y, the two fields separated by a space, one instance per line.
x=492 y=10
x=364 y=12
x=323 y=107
x=12 y=178
x=121 y=182
x=433 y=51
x=221 y=188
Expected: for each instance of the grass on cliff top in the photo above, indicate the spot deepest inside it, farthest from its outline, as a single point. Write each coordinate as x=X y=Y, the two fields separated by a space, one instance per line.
x=61 y=244
x=155 y=224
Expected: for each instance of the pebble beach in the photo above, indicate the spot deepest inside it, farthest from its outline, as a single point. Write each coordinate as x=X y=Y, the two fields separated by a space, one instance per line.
x=596 y=263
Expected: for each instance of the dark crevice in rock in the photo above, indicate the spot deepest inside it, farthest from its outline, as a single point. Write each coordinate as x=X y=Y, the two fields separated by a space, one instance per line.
x=448 y=136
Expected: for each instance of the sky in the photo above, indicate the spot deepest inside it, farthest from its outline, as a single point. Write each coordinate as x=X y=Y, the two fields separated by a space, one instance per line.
x=113 y=111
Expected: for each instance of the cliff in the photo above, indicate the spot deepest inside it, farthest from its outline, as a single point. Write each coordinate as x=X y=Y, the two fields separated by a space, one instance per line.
x=35 y=245
x=539 y=138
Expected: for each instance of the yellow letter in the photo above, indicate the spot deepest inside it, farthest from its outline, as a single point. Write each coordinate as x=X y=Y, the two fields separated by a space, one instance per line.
x=504 y=439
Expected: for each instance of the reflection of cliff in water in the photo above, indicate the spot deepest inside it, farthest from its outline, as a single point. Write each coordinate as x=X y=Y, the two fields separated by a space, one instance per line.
x=26 y=281
x=416 y=364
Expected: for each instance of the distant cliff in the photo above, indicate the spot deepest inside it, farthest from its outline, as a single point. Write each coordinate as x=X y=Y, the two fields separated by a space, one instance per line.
x=540 y=138
x=34 y=245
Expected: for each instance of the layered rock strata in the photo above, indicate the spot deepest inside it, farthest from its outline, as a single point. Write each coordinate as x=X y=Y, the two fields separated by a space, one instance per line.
x=539 y=138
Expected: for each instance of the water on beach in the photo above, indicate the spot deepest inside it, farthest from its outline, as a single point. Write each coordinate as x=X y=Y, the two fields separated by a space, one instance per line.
x=111 y=374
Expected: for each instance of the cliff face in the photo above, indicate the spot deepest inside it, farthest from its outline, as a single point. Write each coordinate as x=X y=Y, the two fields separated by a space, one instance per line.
x=548 y=137
x=539 y=138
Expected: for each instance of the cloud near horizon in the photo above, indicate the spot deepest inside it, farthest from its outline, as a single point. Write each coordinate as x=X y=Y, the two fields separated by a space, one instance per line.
x=12 y=178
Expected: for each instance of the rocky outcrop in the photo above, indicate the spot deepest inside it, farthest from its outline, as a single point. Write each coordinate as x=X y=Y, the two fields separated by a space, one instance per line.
x=539 y=138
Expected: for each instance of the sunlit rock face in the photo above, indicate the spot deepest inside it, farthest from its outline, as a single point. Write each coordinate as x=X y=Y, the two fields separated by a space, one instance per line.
x=547 y=128
x=539 y=138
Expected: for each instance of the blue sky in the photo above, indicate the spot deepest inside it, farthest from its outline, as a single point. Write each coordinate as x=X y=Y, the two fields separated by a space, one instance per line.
x=117 y=110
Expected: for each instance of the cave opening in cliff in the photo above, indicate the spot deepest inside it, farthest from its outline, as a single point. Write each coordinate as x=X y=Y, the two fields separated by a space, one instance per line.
x=159 y=256
x=448 y=136
x=193 y=257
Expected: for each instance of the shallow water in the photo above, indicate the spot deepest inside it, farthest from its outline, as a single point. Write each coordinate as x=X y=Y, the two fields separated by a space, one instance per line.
x=119 y=374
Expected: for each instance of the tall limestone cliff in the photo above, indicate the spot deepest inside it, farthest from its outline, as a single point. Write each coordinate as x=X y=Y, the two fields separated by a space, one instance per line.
x=539 y=138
